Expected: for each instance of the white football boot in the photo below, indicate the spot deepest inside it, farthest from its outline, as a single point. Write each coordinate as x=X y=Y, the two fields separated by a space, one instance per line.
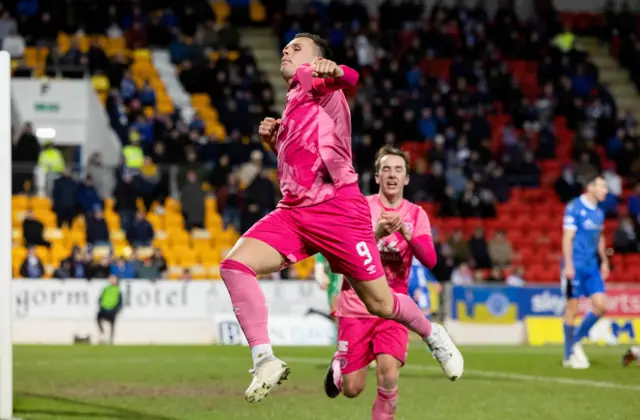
x=266 y=375
x=580 y=355
x=574 y=363
x=445 y=352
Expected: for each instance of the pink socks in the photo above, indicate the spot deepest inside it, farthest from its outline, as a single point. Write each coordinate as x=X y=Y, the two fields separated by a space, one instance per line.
x=407 y=313
x=249 y=303
x=384 y=407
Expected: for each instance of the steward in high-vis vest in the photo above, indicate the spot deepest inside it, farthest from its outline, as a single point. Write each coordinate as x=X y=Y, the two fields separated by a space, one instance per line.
x=132 y=153
x=50 y=159
x=564 y=41
x=110 y=303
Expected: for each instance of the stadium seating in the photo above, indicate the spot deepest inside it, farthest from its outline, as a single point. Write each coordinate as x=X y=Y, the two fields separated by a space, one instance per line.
x=531 y=217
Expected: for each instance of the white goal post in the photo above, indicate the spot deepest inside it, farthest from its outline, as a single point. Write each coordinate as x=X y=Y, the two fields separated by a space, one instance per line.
x=6 y=298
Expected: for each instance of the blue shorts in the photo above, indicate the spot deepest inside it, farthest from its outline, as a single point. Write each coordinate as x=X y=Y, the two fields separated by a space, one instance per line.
x=586 y=282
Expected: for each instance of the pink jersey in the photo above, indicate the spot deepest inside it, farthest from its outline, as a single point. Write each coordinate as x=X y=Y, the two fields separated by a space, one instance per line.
x=314 y=140
x=396 y=254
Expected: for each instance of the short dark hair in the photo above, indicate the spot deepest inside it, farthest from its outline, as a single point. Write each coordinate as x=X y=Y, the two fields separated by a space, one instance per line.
x=394 y=151
x=323 y=46
x=592 y=177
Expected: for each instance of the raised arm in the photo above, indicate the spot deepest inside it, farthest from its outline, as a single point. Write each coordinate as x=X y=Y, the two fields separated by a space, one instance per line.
x=348 y=78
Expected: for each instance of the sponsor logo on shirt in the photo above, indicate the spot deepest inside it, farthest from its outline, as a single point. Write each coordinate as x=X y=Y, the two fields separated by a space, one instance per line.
x=389 y=251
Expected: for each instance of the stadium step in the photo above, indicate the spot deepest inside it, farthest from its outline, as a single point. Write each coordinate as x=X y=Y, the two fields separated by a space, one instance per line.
x=612 y=75
x=265 y=46
x=168 y=73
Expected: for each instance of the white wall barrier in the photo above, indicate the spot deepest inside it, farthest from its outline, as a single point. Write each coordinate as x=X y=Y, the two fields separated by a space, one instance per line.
x=171 y=312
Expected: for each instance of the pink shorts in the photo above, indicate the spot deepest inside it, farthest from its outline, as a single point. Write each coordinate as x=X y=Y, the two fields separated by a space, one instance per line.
x=339 y=228
x=360 y=340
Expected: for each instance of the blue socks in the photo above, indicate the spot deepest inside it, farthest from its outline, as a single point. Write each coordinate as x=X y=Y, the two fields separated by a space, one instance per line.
x=583 y=330
x=568 y=340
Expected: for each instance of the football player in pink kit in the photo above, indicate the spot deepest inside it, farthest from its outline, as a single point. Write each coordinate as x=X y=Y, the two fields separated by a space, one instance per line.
x=322 y=210
x=402 y=231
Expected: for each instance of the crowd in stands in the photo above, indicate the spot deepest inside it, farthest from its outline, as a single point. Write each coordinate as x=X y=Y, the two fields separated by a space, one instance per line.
x=488 y=106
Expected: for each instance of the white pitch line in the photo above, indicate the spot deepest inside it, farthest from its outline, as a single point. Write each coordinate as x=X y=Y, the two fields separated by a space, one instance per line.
x=503 y=375
x=307 y=360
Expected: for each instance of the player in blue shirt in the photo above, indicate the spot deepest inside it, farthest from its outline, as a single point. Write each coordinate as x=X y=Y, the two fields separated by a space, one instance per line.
x=419 y=279
x=585 y=267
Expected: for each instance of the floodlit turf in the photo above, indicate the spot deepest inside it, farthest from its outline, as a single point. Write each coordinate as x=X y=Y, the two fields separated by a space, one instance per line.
x=166 y=383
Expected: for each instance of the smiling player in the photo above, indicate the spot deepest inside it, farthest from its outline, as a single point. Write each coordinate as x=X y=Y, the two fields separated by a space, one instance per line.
x=402 y=231
x=322 y=210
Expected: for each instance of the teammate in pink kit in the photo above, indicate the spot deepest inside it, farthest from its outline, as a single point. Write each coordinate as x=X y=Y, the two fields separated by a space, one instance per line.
x=322 y=209
x=402 y=231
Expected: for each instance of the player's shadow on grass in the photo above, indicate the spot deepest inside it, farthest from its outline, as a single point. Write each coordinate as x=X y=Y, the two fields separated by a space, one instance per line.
x=108 y=412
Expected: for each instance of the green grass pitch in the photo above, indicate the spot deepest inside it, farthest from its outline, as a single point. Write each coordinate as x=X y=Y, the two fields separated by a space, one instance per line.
x=193 y=383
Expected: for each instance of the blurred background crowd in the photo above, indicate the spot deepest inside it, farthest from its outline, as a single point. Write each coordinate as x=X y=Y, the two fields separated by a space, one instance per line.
x=504 y=117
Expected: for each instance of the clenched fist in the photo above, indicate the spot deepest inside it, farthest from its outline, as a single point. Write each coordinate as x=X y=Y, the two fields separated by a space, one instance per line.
x=268 y=131
x=324 y=68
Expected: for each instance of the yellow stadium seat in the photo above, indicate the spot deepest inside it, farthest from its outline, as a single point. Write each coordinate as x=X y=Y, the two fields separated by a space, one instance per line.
x=211 y=204
x=79 y=224
x=117 y=43
x=17 y=217
x=165 y=107
x=83 y=42
x=213 y=221
x=40 y=203
x=210 y=257
x=174 y=272
x=200 y=99
x=149 y=111
x=100 y=83
x=78 y=237
x=173 y=222
x=156 y=221
x=47 y=217
x=172 y=205
x=59 y=253
x=188 y=258
x=43 y=254
x=19 y=202
x=144 y=252
x=140 y=205
x=17 y=237
x=226 y=237
x=19 y=253
x=257 y=12
x=208 y=113
x=179 y=238
x=198 y=272
x=222 y=10
x=233 y=55
x=113 y=220
x=160 y=240
x=122 y=251
x=142 y=54
x=214 y=272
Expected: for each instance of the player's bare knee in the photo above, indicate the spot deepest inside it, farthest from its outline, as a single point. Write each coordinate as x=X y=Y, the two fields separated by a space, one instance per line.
x=382 y=308
x=570 y=311
x=257 y=255
x=352 y=389
x=599 y=310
